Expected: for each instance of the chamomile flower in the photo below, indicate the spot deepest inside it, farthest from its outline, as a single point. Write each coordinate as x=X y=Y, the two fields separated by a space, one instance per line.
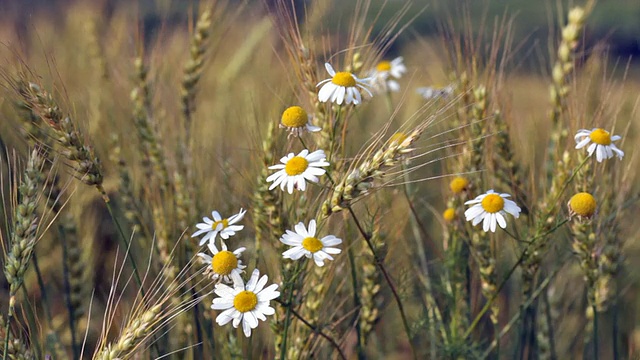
x=305 y=243
x=245 y=304
x=601 y=143
x=342 y=87
x=491 y=208
x=434 y=92
x=223 y=263
x=296 y=121
x=296 y=170
x=582 y=205
x=458 y=184
x=449 y=215
x=224 y=227
x=384 y=76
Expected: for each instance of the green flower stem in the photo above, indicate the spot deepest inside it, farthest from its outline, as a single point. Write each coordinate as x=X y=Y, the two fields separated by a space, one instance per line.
x=516 y=317
x=387 y=277
x=356 y=302
x=287 y=318
x=595 y=332
x=315 y=329
x=490 y=301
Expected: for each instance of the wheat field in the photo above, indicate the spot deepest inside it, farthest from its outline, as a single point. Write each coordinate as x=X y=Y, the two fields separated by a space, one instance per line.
x=305 y=179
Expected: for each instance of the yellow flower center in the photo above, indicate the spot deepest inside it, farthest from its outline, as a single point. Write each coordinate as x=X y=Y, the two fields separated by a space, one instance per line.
x=383 y=66
x=296 y=166
x=583 y=204
x=245 y=301
x=600 y=137
x=344 y=78
x=294 y=117
x=449 y=214
x=397 y=138
x=492 y=203
x=224 y=222
x=312 y=244
x=223 y=262
x=458 y=184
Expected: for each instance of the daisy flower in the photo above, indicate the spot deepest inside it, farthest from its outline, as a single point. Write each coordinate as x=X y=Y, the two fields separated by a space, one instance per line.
x=223 y=263
x=342 y=87
x=224 y=227
x=296 y=121
x=384 y=76
x=601 y=143
x=305 y=243
x=245 y=303
x=491 y=208
x=433 y=92
x=296 y=170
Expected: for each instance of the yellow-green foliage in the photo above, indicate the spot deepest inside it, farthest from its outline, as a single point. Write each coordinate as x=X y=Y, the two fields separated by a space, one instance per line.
x=176 y=119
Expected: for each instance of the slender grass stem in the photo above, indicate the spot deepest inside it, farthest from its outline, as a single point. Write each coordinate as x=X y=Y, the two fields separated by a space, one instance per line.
x=595 y=333
x=287 y=317
x=490 y=301
x=315 y=329
x=356 y=303
x=387 y=277
x=517 y=317
x=67 y=290
x=127 y=246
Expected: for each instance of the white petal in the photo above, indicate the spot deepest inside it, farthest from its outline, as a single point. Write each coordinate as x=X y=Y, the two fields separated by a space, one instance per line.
x=330 y=69
x=486 y=224
x=493 y=222
x=501 y=220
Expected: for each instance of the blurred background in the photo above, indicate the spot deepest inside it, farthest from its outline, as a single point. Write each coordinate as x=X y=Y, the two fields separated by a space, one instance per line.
x=614 y=22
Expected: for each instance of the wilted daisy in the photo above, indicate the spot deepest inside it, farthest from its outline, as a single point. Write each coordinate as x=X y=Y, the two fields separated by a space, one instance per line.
x=491 y=208
x=296 y=121
x=384 y=76
x=449 y=214
x=601 y=143
x=224 y=227
x=305 y=243
x=433 y=92
x=296 y=170
x=458 y=184
x=342 y=87
x=246 y=304
x=223 y=263
x=582 y=205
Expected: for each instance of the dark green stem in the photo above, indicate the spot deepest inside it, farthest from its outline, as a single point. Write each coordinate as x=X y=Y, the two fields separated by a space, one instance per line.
x=387 y=277
x=490 y=301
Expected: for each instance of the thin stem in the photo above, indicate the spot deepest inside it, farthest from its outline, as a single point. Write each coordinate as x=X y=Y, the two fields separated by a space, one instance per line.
x=127 y=246
x=614 y=330
x=569 y=180
x=315 y=329
x=67 y=290
x=418 y=229
x=387 y=277
x=490 y=301
x=287 y=318
x=595 y=333
x=12 y=300
x=516 y=317
x=356 y=303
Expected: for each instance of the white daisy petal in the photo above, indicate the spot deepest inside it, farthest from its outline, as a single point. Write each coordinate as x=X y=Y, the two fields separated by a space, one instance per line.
x=600 y=141
x=305 y=244
x=302 y=168
x=247 y=313
x=341 y=88
x=491 y=211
